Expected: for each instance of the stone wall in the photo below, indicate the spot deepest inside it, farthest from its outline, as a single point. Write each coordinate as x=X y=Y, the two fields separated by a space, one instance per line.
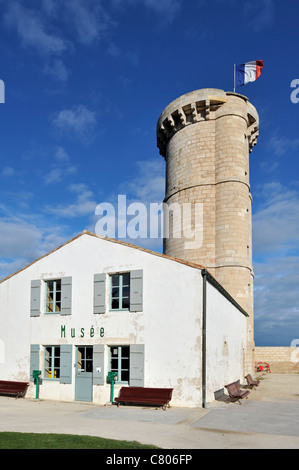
x=205 y=137
x=282 y=359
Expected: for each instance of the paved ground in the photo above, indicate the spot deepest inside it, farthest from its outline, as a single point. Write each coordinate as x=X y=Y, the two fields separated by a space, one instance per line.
x=269 y=419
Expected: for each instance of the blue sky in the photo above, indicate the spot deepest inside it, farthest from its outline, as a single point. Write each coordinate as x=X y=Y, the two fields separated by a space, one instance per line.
x=85 y=82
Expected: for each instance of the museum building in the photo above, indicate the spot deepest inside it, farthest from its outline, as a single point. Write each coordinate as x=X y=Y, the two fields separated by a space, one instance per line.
x=97 y=305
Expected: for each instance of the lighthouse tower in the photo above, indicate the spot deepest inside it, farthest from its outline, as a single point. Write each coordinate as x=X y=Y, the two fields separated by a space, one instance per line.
x=205 y=137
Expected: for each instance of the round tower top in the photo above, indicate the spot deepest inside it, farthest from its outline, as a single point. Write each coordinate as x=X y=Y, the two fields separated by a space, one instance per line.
x=202 y=105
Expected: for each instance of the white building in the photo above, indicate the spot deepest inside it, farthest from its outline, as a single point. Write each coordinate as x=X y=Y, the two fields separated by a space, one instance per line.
x=96 y=305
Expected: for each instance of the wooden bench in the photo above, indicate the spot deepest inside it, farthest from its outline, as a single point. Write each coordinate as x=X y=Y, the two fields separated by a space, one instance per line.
x=17 y=389
x=235 y=392
x=251 y=382
x=145 y=396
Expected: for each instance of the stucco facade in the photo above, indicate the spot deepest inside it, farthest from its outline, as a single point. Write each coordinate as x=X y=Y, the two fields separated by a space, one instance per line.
x=156 y=340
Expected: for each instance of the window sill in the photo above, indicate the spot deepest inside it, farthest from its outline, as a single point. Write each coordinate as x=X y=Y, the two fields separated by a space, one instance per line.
x=119 y=310
x=50 y=380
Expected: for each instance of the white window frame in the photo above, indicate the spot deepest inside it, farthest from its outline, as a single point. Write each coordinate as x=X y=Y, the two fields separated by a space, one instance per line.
x=120 y=370
x=120 y=287
x=55 y=292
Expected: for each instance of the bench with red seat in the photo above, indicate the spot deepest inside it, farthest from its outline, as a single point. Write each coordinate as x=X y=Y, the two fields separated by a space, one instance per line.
x=251 y=382
x=145 y=396
x=11 y=388
x=235 y=392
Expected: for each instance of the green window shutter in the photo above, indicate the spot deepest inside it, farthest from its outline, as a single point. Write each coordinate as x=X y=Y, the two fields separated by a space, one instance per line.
x=136 y=365
x=66 y=364
x=136 y=291
x=66 y=296
x=35 y=299
x=98 y=364
x=99 y=293
x=34 y=359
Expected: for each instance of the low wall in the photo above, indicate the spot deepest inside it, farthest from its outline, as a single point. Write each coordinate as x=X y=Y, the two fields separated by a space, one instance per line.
x=282 y=359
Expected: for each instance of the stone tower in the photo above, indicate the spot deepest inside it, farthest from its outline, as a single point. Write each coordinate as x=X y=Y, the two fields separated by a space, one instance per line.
x=205 y=137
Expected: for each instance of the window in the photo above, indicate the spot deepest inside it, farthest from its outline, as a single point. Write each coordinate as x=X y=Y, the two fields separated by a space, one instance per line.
x=84 y=359
x=120 y=362
x=53 y=296
x=120 y=291
x=52 y=362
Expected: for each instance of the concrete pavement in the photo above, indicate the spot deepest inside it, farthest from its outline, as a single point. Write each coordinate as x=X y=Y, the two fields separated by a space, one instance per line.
x=267 y=420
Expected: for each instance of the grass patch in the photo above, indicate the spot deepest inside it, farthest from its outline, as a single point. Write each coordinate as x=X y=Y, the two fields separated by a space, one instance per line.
x=18 y=440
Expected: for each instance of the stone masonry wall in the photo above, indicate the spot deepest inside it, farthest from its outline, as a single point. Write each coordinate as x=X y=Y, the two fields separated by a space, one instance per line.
x=205 y=137
x=282 y=360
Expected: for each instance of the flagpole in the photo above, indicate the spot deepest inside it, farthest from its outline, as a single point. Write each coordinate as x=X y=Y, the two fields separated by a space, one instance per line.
x=234 y=78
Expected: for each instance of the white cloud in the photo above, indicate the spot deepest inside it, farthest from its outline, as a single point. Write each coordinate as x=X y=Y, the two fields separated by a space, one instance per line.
x=89 y=19
x=61 y=167
x=83 y=204
x=8 y=171
x=58 y=174
x=146 y=187
x=276 y=300
x=53 y=176
x=76 y=122
x=24 y=238
x=22 y=242
x=11 y=266
x=14 y=198
x=276 y=223
x=18 y=238
x=61 y=155
x=260 y=13
x=169 y=8
x=55 y=27
x=32 y=30
x=276 y=265
x=49 y=6
x=57 y=70
x=281 y=145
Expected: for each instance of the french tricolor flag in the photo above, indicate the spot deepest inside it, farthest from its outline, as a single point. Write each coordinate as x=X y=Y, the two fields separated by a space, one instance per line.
x=248 y=72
